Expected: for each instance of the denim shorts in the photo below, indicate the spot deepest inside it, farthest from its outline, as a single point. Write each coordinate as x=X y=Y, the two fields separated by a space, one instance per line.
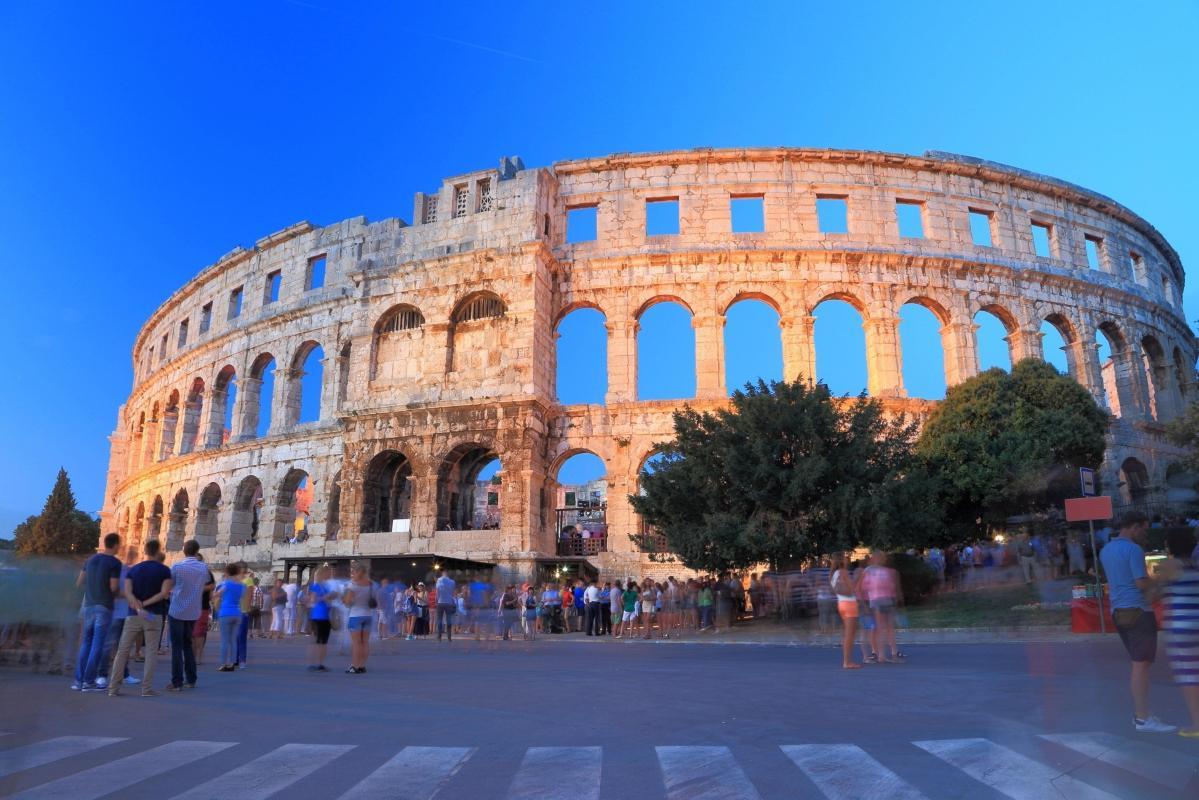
x=359 y=623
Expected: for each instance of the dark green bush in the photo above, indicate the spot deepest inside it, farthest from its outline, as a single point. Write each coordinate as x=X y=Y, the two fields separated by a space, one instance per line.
x=916 y=578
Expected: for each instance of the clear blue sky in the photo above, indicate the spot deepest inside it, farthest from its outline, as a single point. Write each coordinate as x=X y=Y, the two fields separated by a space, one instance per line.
x=140 y=141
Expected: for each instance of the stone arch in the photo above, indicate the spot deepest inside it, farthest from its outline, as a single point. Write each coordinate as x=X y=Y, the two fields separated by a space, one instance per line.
x=995 y=324
x=839 y=339
x=1059 y=332
x=305 y=385
x=223 y=399
x=923 y=326
x=477 y=306
x=207 y=512
x=151 y=438
x=193 y=409
x=752 y=341
x=581 y=331
x=333 y=508
x=939 y=310
x=765 y=294
x=137 y=443
x=177 y=523
x=170 y=424
x=658 y=299
x=259 y=397
x=137 y=530
x=666 y=350
x=291 y=503
x=1182 y=373
x=577 y=305
x=1159 y=391
x=1118 y=371
x=580 y=499
x=386 y=491
x=154 y=521
x=648 y=539
x=397 y=345
x=477 y=329
x=457 y=478
x=247 y=511
x=1134 y=481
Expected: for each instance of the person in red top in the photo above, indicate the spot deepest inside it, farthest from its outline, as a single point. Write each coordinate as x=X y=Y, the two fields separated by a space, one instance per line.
x=880 y=584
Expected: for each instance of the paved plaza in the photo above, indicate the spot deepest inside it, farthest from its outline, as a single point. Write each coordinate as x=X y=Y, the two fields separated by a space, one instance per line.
x=580 y=719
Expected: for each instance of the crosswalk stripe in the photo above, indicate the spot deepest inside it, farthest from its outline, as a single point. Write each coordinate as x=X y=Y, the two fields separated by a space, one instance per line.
x=1155 y=763
x=124 y=772
x=268 y=774
x=1010 y=773
x=847 y=772
x=415 y=773
x=558 y=773
x=34 y=755
x=703 y=773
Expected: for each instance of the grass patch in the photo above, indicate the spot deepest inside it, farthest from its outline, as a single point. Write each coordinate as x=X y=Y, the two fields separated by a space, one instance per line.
x=985 y=608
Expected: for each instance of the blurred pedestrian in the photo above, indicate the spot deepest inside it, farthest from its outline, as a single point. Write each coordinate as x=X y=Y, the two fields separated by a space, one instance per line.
x=226 y=599
x=359 y=597
x=320 y=617
x=100 y=579
x=446 y=606
x=881 y=585
x=845 y=589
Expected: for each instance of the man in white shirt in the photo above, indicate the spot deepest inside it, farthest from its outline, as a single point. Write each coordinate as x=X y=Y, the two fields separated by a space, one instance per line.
x=445 y=606
x=292 y=590
x=591 y=608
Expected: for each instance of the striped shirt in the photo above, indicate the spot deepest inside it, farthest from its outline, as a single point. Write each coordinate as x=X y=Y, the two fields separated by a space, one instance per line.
x=1180 y=623
x=190 y=575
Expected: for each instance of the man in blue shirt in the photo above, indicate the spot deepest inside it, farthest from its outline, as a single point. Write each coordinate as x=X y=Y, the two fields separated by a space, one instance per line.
x=1131 y=590
x=147 y=587
x=100 y=578
x=446 y=606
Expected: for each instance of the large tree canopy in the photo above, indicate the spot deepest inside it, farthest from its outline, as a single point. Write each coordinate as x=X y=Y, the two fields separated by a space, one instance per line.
x=61 y=528
x=1184 y=432
x=786 y=472
x=1002 y=444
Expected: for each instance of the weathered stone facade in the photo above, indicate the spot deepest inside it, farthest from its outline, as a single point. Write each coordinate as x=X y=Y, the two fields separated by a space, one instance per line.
x=439 y=338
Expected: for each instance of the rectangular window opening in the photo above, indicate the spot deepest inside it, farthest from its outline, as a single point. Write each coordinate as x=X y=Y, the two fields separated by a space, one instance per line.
x=162 y=350
x=235 y=303
x=1134 y=266
x=182 y=341
x=909 y=215
x=980 y=228
x=273 y=281
x=483 y=189
x=316 y=273
x=1042 y=238
x=430 y=209
x=1094 y=247
x=832 y=213
x=460 y=201
x=206 y=318
x=662 y=216
x=580 y=224
x=746 y=213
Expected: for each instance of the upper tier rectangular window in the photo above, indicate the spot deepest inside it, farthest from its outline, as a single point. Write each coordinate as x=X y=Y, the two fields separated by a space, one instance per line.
x=1094 y=248
x=662 y=216
x=316 y=273
x=1042 y=239
x=980 y=228
x=832 y=213
x=235 y=303
x=483 y=190
x=909 y=215
x=205 y=318
x=182 y=342
x=580 y=224
x=273 y=281
x=460 y=200
x=746 y=214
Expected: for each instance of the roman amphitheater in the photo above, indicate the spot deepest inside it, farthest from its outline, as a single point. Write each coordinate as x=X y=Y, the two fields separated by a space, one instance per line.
x=433 y=344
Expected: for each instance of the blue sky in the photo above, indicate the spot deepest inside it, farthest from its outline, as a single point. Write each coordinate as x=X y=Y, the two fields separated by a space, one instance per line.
x=141 y=141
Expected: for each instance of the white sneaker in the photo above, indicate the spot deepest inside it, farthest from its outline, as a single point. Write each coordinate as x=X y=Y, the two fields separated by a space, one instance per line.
x=101 y=682
x=132 y=681
x=1152 y=725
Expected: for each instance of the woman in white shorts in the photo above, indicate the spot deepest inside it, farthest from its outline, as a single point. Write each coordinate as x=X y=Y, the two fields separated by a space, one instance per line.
x=649 y=598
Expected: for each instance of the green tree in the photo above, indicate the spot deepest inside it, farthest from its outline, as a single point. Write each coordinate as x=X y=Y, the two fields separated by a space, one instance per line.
x=1003 y=443
x=1184 y=432
x=785 y=472
x=61 y=528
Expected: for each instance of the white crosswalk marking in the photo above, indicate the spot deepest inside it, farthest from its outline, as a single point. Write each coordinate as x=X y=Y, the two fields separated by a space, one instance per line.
x=1010 y=773
x=34 y=755
x=1155 y=763
x=415 y=773
x=124 y=772
x=703 y=773
x=558 y=773
x=268 y=774
x=847 y=772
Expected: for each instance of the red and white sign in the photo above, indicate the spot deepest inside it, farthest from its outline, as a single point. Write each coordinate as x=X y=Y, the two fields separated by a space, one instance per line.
x=1084 y=509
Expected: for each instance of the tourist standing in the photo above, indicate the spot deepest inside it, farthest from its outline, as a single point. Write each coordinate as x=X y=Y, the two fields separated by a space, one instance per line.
x=278 y=608
x=1180 y=622
x=199 y=632
x=529 y=617
x=509 y=607
x=359 y=598
x=881 y=586
x=387 y=609
x=846 y=591
x=189 y=578
x=591 y=609
x=257 y=603
x=243 y=630
x=628 y=613
x=1131 y=591
x=100 y=579
x=226 y=598
x=318 y=615
x=446 y=606
x=605 y=616
x=120 y=611
x=292 y=592
x=615 y=606
x=147 y=588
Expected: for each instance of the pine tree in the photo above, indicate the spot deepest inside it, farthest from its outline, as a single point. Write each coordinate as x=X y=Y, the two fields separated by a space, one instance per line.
x=61 y=528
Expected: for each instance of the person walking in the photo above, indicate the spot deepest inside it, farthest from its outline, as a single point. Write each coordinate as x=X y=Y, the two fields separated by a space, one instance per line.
x=387 y=612
x=592 y=609
x=189 y=578
x=846 y=591
x=446 y=606
x=319 y=617
x=509 y=607
x=292 y=592
x=226 y=598
x=880 y=584
x=278 y=608
x=147 y=588
x=257 y=603
x=360 y=599
x=1131 y=591
x=100 y=579
x=243 y=631
x=1180 y=622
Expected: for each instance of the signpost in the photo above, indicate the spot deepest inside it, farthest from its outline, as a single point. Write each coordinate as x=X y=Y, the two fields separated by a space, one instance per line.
x=1089 y=509
x=1086 y=477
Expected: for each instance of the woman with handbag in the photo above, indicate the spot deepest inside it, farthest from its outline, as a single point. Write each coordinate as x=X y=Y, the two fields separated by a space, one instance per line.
x=420 y=614
x=360 y=599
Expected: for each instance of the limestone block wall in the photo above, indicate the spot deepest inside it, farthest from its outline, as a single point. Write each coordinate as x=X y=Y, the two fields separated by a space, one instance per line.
x=437 y=339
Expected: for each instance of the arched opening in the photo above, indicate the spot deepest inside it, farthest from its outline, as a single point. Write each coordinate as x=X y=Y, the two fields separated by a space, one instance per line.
x=154 y=523
x=343 y=375
x=138 y=527
x=259 y=398
x=397 y=346
x=292 y=502
x=1134 y=481
x=992 y=327
x=649 y=538
x=333 y=520
x=247 y=509
x=206 y=515
x=224 y=397
x=151 y=438
x=477 y=336
x=1181 y=372
x=840 y=343
x=581 y=505
x=137 y=445
x=469 y=489
x=177 y=524
x=1157 y=379
x=1056 y=337
x=753 y=344
x=922 y=351
x=170 y=422
x=307 y=382
x=665 y=352
x=581 y=358
x=1113 y=353
x=192 y=414
x=386 y=492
